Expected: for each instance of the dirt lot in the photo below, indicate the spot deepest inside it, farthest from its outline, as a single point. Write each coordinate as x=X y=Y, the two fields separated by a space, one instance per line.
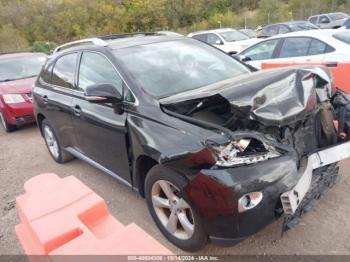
x=326 y=230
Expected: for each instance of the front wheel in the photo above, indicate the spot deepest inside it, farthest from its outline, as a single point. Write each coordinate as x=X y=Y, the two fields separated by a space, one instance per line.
x=173 y=215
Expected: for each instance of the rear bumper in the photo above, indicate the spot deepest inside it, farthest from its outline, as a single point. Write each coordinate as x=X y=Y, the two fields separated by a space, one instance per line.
x=215 y=193
x=19 y=114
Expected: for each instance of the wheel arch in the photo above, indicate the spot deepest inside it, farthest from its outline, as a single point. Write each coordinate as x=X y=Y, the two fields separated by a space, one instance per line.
x=143 y=165
x=40 y=118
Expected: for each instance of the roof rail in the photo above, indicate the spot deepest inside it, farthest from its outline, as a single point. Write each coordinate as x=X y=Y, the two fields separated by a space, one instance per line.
x=125 y=35
x=94 y=41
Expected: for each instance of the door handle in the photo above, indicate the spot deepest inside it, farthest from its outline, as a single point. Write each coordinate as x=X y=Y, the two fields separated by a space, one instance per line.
x=45 y=99
x=77 y=110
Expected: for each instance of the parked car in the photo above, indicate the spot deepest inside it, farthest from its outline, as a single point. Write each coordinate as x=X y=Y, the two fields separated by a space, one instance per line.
x=18 y=72
x=249 y=32
x=283 y=28
x=346 y=25
x=329 y=21
x=332 y=46
x=218 y=151
x=228 y=40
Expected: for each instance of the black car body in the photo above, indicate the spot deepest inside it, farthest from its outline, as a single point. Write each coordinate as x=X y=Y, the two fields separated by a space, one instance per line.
x=238 y=146
x=283 y=28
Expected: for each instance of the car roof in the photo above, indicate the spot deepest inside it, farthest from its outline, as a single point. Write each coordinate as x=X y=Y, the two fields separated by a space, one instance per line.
x=329 y=14
x=326 y=33
x=15 y=55
x=289 y=23
x=142 y=40
x=221 y=30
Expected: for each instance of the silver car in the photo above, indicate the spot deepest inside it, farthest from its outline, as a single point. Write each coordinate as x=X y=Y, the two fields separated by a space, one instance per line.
x=329 y=21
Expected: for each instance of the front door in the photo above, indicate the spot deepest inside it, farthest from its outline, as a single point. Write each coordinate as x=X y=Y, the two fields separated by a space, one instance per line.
x=100 y=132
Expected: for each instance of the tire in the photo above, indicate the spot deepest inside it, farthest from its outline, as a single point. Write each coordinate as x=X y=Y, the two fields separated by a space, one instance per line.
x=53 y=144
x=192 y=239
x=7 y=127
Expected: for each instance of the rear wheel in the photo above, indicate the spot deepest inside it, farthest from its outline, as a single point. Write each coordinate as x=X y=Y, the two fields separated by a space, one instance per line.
x=53 y=144
x=8 y=128
x=174 y=216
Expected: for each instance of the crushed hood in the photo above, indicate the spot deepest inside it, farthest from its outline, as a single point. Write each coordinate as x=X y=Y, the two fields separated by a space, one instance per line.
x=273 y=97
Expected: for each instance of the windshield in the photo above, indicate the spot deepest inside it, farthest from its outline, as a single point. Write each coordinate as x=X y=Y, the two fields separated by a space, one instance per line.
x=168 y=68
x=233 y=35
x=249 y=33
x=338 y=16
x=302 y=26
x=20 y=68
x=344 y=37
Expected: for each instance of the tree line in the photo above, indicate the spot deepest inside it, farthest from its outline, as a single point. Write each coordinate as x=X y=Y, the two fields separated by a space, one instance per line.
x=29 y=23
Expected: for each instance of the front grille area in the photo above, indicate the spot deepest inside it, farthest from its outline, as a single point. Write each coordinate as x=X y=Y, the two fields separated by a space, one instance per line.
x=23 y=119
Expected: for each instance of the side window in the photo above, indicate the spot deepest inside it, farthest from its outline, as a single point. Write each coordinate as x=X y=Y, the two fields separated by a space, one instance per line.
x=262 y=50
x=201 y=37
x=313 y=20
x=317 y=47
x=96 y=69
x=64 y=71
x=213 y=39
x=295 y=46
x=270 y=30
x=324 y=20
x=283 y=29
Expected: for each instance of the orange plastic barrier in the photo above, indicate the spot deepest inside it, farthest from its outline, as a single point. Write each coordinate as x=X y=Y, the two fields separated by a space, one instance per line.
x=65 y=217
x=341 y=71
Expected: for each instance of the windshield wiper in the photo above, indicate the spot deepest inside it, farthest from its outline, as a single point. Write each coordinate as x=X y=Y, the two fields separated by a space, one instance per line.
x=198 y=105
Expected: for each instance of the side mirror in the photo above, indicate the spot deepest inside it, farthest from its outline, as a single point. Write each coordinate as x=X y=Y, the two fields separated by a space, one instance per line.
x=102 y=93
x=219 y=42
x=243 y=58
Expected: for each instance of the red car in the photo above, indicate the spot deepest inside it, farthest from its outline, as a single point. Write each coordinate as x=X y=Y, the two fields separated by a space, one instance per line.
x=18 y=73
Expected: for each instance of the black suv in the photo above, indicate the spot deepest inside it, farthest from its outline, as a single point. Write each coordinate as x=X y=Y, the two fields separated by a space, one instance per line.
x=218 y=151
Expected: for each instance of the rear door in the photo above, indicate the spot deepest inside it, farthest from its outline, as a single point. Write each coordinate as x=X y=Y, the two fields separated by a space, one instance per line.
x=301 y=49
x=100 y=132
x=53 y=95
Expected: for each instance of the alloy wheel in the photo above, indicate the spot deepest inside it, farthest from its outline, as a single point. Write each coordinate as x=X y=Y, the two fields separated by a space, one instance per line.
x=173 y=212
x=51 y=142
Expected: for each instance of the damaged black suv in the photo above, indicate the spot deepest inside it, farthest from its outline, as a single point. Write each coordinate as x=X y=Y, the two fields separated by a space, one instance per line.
x=217 y=150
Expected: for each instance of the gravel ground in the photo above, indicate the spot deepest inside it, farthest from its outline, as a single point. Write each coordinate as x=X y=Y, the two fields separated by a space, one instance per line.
x=326 y=230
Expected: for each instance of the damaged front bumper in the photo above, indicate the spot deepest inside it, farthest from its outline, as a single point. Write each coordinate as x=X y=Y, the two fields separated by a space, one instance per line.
x=293 y=198
x=214 y=193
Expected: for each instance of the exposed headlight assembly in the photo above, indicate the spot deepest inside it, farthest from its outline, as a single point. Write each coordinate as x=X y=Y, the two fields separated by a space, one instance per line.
x=13 y=99
x=243 y=152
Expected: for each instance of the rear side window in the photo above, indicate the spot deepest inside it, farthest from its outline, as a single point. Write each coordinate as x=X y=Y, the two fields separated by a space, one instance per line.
x=262 y=51
x=64 y=71
x=201 y=37
x=313 y=20
x=344 y=37
x=317 y=47
x=293 y=47
x=96 y=69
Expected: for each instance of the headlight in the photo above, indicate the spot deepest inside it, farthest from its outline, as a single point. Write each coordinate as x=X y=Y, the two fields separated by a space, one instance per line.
x=13 y=99
x=243 y=152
